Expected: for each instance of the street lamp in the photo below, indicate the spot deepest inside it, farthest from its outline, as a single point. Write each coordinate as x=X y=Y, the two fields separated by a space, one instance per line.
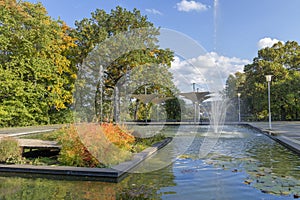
x=195 y=105
x=239 y=103
x=268 y=79
x=146 y=120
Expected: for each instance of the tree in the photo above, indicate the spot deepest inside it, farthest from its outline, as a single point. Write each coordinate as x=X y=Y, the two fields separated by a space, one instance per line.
x=111 y=46
x=37 y=79
x=283 y=62
x=234 y=85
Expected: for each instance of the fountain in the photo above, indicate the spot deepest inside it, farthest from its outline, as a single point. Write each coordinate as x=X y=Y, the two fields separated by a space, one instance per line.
x=131 y=86
x=205 y=162
x=218 y=102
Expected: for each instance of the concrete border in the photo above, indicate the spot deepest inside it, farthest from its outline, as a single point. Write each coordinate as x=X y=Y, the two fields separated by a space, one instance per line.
x=114 y=174
x=283 y=140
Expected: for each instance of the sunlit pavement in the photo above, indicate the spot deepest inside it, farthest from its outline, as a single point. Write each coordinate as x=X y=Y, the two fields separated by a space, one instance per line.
x=18 y=131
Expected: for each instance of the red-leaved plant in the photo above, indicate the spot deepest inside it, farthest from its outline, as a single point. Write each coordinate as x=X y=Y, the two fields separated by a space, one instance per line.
x=94 y=145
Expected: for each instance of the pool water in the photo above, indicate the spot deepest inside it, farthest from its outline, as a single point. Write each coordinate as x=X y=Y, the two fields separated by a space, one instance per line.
x=244 y=164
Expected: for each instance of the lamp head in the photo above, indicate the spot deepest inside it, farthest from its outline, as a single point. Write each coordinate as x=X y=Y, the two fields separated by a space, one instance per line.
x=268 y=78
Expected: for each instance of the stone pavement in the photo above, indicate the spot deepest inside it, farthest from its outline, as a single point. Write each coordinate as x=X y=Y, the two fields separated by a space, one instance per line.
x=285 y=132
x=18 y=131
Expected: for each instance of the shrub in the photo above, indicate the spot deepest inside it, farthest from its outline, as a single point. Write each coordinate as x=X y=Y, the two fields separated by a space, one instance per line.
x=118 y=135
x=74 y=152
x=94 y=145
x=10 y=152
x=109 y=143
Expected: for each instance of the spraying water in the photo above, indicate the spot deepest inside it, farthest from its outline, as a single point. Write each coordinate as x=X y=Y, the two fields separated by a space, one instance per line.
x=219 y=103
x=216 y=3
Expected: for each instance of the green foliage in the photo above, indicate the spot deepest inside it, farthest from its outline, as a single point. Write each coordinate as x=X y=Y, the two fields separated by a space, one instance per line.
x=121 y=41
x=234 y=84
x=173 y=109
x=41 y=58
x=74 y=152
x=36 y=77
x=10 y=152
x=281 y=61
x=42 y=161
x=142 y=143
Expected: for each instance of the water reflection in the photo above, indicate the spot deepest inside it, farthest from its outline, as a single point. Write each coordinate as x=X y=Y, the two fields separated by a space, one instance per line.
x=23 y=188
x=244 y=164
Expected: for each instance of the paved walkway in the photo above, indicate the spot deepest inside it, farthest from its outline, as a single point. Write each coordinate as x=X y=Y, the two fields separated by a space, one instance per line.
x=287 y=133
x=27 y=130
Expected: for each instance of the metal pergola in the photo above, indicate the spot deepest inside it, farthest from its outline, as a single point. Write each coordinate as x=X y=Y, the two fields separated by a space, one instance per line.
x=197 y=98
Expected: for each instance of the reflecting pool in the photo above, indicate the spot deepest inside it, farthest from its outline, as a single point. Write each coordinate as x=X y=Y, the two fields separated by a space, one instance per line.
x=244 y=164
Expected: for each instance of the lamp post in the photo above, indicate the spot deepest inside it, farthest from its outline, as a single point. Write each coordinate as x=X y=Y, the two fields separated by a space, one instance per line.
x=239 y=103
x=268 y=79
x=195 y=105
x=146 y=120
x=101 y=94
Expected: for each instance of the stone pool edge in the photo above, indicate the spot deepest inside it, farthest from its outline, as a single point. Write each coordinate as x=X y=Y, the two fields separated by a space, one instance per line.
x=114 y=174
x=284 y=141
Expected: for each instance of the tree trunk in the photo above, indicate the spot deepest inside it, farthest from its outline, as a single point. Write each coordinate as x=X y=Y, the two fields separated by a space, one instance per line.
x=136 y=110
x=116 y=105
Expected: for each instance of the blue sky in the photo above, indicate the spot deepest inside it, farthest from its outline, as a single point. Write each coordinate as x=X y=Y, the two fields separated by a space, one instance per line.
x=240 y=24
x=231 y=31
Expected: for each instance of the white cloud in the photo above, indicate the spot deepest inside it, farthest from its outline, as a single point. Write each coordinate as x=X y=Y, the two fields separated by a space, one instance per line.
x=153 y=11
x=209 y=71
x=266 y=42
x=187 y=6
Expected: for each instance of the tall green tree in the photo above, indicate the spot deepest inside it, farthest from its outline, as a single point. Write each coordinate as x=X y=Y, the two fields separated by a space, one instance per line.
x=234 y=85
x=37 y=79
x=283 y=62
x=110 y=46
